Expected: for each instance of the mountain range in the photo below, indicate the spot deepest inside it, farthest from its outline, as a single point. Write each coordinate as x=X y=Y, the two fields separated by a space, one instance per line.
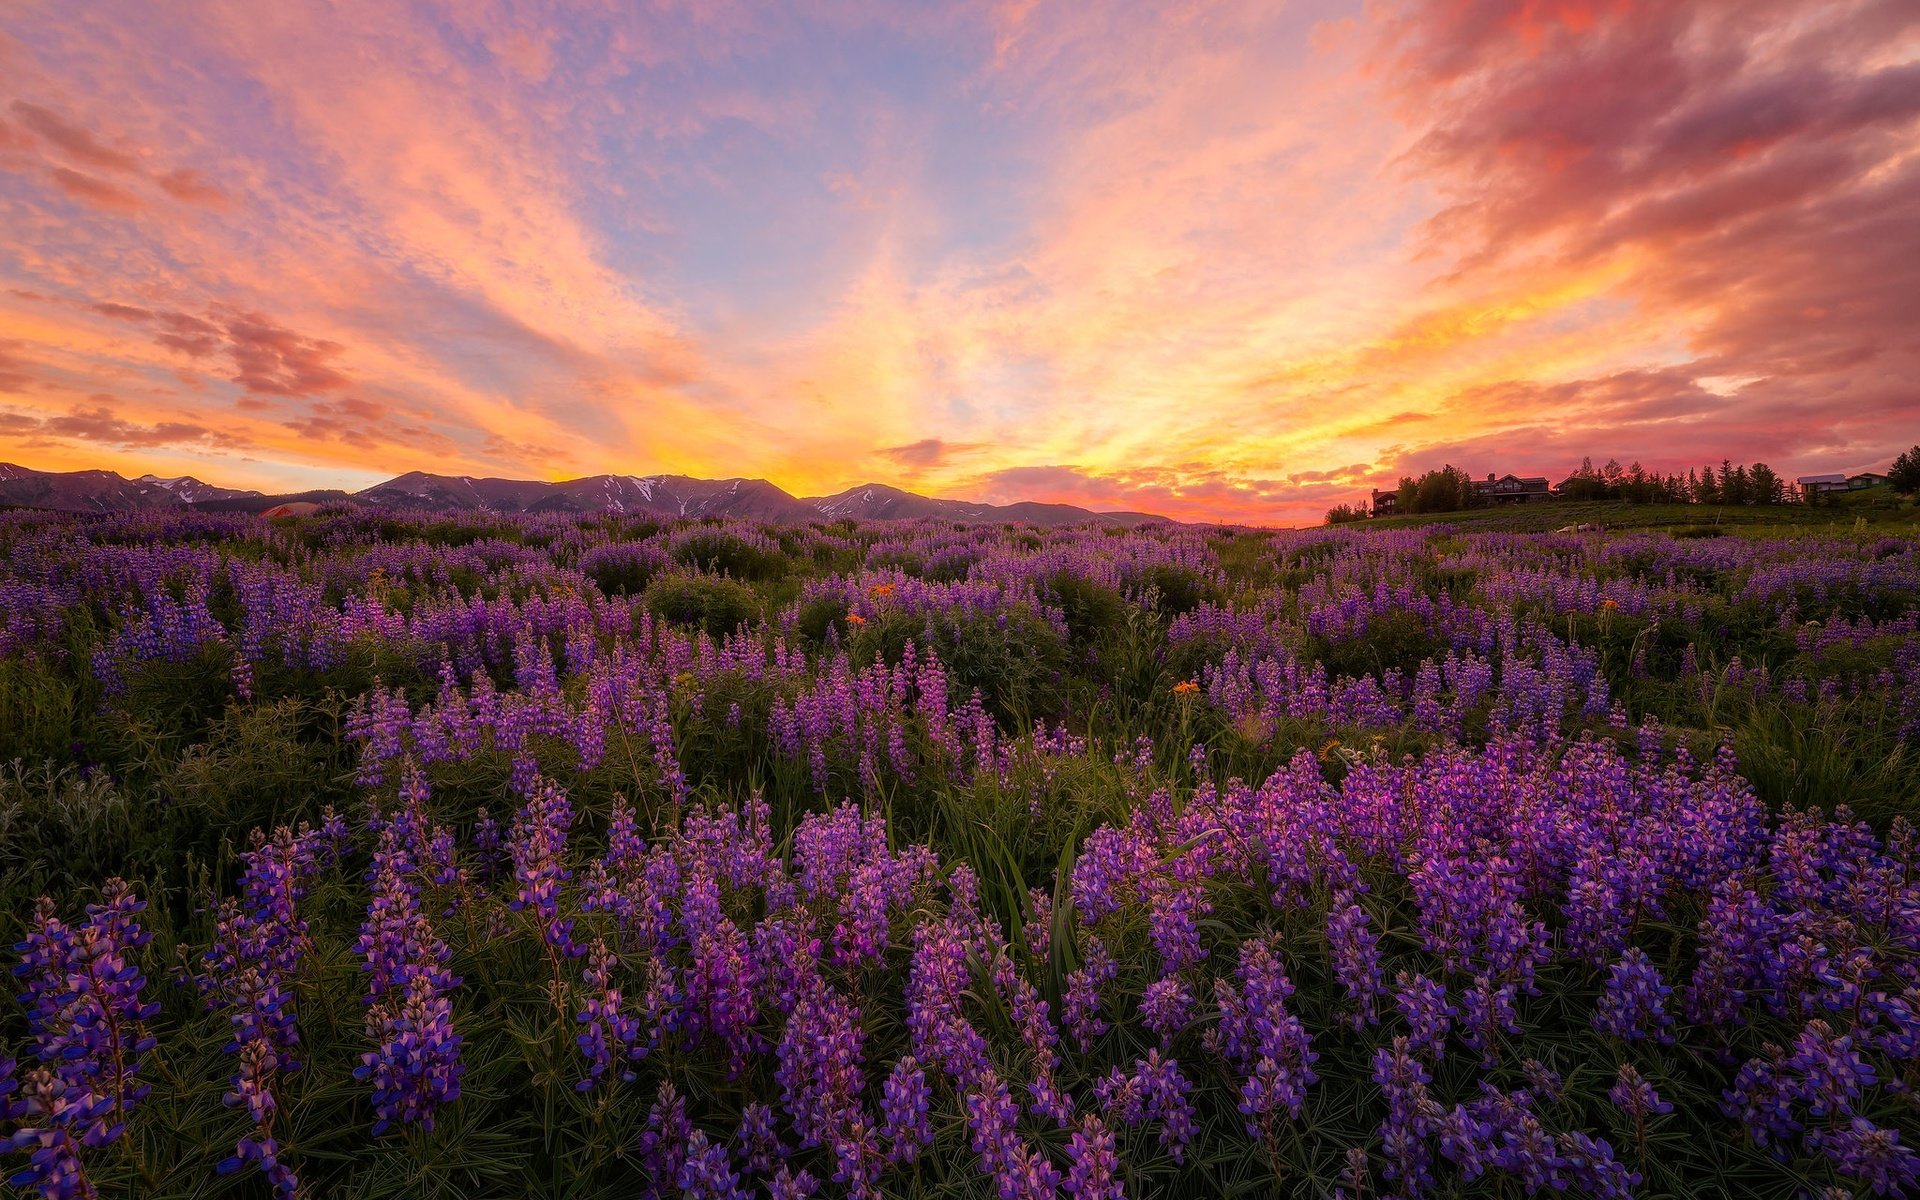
x=658 y=495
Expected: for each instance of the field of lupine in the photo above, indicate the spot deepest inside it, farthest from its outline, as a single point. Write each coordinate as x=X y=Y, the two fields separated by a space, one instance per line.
x=364 y=855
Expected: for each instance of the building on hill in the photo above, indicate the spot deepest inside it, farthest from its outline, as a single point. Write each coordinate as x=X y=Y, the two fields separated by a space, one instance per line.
x=1812 y=487
x=1385 y=504
x=1512 y=489
x=1865 y=480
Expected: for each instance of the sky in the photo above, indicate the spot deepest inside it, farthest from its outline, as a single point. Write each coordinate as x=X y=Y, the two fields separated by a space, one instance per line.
x=1230 y=261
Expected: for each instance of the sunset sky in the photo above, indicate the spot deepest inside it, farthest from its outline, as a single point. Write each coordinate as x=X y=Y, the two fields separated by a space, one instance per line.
x=1234 y=261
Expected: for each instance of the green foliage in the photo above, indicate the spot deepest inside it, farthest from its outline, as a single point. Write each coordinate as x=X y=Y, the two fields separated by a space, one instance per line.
x=718 y=552
x=1091 y=608
x=621 y=576
x=1173 y=589
x=1014 y=658
x=717 y=605
x=1446 y=490
x=1904 y=475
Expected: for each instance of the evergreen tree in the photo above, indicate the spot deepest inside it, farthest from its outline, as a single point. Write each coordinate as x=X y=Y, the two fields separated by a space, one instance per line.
x=1733 y=486
x=1904 y=475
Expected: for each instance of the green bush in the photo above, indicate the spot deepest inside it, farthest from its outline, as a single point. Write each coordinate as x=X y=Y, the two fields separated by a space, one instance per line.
x=1174 y=590
x=717 y=552
x=1015 y=658
x=1091 y=608
x=707 y=602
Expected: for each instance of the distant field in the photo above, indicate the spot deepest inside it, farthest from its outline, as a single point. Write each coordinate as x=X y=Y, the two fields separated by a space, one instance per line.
x=1878 y=508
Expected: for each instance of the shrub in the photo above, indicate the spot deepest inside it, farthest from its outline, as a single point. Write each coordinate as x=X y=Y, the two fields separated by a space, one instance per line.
x=1015 y=658
x=622 y=568
x=721 y=553
x=719 y=606
x=1091 y=608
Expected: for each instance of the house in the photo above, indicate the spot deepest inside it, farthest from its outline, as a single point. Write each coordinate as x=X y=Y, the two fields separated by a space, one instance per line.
x=1865 y=480
x=1812 y=486
x=1512 y=489
x=1385 y=504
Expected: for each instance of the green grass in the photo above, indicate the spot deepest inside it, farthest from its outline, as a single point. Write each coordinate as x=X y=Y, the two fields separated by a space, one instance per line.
x=1878 y=508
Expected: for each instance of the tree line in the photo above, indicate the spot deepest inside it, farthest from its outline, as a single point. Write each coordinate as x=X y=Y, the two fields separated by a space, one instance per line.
x=1451 y=489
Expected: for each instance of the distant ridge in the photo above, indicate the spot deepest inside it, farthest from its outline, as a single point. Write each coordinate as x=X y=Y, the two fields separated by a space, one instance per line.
x=879 y=502
x=669 y=496
x=104 y=491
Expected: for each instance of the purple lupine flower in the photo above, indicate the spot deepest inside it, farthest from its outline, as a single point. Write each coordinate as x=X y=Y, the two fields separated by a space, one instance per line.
x=253 y=1090
x=1591 y=1169
x=1499 y=1131
x=662 y=1146
x=1173 y=923
x=1423 y=1004
x=1156 y=1091
x=1487 y=1011
x=1826 y=1072
x=537 y=845
x=85 y=1011
x=821 y=1065
x=1634 y=1004
x=938 y=975
x=1542 y=1080
x=1412 y=1117
x=415 y=1065
x=1080 y=1005
x=1354 y=1176
x=707 y=1173
x=1095 y=1170
x=1738 y=923
x=1166 y=1007
x=1634 y=1096
x=721 y=987
x=1355 y=951
x=611 y=1040
x=1761 y=1104
x=1268 y=1044
x=788 y=1185
x=1041 y=1039
x=991 y=1114
x=45 y=1116
x=486 y=843
x=1039 y=929
x=905 y=1107
x=757 y=1144
x=1864 y=1151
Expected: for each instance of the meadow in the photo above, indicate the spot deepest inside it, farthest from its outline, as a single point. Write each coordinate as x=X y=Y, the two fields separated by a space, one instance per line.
x=366 y=854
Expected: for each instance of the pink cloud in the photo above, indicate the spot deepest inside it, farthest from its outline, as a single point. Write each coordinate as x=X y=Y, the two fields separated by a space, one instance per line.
x=93 y=190
x=186 y=184
x=77 y=143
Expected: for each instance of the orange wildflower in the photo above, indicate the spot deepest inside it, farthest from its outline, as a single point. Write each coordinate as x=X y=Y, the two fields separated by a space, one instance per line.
x=1186 y=687
x=854 y=618
x=880 y=589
